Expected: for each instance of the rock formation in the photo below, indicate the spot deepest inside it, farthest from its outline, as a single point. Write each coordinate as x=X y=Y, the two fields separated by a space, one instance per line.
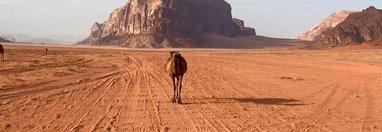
x=7 y=38
x=167 y=23
x=328 y=23
x=240 y=29
x=4 y=40
x=357 y=28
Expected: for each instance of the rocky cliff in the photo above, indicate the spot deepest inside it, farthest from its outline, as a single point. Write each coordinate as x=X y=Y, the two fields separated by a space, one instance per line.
x=357 y=28
x=167 y=23
x=328 y=23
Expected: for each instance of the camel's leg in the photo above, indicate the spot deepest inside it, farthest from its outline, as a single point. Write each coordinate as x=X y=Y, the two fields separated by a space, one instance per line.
x=173 y=97
x=180 y=89
x=176 y=89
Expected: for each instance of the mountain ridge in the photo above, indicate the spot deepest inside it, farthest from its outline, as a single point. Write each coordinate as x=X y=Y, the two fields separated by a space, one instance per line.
x=357 y=28
x=167 y=23
x=326 y=24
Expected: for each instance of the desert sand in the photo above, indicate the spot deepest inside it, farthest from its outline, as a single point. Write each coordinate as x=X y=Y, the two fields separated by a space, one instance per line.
x=114 y=89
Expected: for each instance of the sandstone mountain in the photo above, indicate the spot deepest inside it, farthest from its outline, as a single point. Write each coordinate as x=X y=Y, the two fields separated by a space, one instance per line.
x=167 y=23
x=357 y=28
x=328 y=23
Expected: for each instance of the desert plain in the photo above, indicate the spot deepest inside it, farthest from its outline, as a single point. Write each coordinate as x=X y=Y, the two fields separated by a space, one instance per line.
x=114 y=89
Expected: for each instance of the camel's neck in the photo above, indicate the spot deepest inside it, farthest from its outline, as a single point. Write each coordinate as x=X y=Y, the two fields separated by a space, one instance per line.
x=176 y=59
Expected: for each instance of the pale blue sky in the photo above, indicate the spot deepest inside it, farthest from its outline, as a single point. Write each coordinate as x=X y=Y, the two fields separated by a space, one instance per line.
x=274 y=18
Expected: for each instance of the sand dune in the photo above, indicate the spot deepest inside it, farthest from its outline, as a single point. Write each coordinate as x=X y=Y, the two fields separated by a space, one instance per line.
x=88 y=89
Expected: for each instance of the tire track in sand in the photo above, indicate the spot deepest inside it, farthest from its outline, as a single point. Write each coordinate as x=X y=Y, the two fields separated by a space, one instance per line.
x=324 y=110
x=368 y=123
x=92 y=102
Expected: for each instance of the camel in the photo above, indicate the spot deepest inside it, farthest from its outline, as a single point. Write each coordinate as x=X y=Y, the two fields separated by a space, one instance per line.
x=176 y=66
x=1 y=52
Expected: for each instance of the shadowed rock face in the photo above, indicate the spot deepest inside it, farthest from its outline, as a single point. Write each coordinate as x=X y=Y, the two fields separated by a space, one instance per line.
x=167 y=23
x=357 y=28
x=240 y=29
x=328 y=23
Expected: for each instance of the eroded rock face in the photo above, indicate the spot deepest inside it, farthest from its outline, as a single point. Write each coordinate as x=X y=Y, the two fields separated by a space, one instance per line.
x=166 y=23
x=357 y=28
x=328 y=23
x=240 y=28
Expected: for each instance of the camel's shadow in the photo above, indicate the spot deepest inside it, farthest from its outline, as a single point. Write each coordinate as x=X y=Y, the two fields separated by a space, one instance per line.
x=263 y=101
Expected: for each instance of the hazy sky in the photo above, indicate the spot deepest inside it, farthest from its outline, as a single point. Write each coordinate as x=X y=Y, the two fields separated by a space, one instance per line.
x=274 y=18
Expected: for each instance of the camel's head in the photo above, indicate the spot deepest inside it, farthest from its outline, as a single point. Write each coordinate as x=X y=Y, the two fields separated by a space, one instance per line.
x=175 y=53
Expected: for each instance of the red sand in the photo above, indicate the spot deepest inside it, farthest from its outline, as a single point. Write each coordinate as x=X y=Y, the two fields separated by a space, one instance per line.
x=87 y=89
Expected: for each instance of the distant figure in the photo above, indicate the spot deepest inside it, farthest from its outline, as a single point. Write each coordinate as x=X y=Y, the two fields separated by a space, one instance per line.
x=46 y=51
x=176 y=66
x=2 y=53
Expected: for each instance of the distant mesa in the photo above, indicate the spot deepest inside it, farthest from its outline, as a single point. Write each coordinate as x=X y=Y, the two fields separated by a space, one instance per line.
x=47 y=39
x=4 y=40
x=357 y=28
x=328 y=23
x=167 y=23
x=8 y=39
